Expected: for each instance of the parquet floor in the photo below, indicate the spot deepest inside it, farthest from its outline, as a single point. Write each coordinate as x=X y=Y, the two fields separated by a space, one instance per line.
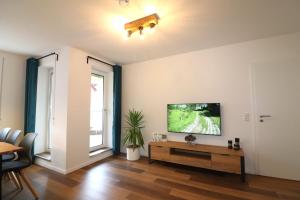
x=117 y=179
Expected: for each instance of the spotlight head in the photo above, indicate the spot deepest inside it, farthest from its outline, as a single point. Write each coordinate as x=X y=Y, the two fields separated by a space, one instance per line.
x=141 y=28
x=129 y=33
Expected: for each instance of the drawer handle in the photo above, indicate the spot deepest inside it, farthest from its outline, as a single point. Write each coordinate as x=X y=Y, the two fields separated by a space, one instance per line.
x=224 y=154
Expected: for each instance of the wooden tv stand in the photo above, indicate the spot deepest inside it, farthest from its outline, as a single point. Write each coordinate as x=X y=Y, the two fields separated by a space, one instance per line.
x=198 y=155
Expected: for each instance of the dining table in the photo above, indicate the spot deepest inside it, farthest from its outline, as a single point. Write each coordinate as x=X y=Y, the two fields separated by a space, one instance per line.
x=4 y=149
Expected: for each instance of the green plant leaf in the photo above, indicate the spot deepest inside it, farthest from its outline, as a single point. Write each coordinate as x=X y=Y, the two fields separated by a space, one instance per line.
x=135 y=122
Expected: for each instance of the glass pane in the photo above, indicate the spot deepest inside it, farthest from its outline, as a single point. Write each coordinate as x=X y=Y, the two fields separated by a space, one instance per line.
x=96 y=114
x=50 y=111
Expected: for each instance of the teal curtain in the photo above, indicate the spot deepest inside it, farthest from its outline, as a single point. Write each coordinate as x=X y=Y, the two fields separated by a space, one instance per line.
x=117 y=115
x=30 y=94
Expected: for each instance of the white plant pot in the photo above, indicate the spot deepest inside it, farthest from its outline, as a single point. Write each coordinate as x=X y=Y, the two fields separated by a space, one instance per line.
x=133 y=154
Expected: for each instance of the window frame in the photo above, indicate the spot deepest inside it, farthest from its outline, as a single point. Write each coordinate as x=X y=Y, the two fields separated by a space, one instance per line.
x=50 y=109
x=104 y=111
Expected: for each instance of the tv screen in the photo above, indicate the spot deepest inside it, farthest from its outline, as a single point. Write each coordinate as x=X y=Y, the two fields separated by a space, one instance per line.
x=198 y=118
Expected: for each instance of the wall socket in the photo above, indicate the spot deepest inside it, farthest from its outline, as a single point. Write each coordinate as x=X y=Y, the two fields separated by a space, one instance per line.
x=246 y=117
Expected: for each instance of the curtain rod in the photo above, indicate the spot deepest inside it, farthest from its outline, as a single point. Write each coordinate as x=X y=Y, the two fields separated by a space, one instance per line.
x=89 y=57
x=50 y=54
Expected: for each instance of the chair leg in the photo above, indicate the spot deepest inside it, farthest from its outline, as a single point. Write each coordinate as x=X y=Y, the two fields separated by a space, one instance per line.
x=19 y=180
x=32 y=190
x=13 y=178
x=6 y=176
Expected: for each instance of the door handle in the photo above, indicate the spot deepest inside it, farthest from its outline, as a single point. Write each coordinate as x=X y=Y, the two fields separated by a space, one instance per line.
x=264 y=116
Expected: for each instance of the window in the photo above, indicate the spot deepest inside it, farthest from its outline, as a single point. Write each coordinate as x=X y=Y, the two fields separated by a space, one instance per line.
x=50 y=110
x=44 y=110
x=97 y=111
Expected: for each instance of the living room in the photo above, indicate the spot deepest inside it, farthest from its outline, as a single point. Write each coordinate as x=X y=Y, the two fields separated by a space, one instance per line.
x=136 y=99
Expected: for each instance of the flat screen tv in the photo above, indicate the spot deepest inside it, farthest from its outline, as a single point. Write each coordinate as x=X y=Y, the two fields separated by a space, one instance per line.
x=198 y=118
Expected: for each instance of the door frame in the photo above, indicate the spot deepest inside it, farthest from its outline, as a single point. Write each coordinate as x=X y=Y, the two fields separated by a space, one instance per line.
x=254 y=117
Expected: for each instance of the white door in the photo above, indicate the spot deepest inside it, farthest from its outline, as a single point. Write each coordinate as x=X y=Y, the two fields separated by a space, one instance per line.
x=276 y=87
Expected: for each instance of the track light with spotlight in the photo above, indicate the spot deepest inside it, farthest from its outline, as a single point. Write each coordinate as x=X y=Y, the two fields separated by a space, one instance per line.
x=140 y=24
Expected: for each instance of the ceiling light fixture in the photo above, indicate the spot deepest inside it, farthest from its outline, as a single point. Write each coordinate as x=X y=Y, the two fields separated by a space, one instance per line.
x=123 y=2
x=139 y=25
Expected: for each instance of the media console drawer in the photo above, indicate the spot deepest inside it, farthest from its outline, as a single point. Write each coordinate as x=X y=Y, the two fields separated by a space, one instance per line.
x=160 y=152
x=227 y=163
x=190 y=161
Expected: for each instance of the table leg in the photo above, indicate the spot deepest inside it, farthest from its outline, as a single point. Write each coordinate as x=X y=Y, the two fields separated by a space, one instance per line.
x=0 y=177
x=243 y=174
x=149 y=154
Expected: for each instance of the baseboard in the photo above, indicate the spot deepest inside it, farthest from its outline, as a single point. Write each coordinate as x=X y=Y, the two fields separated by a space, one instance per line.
x=48 y=165
x=91 y=160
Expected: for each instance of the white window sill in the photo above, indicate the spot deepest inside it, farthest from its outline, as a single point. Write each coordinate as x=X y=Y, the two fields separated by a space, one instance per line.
x=99 y=151
x=44 y=156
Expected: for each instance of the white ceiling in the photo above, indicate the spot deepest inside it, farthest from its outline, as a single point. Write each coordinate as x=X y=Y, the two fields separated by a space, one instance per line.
x=36 y=26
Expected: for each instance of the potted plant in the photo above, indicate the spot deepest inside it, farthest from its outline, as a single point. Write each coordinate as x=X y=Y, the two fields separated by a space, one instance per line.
x=134 y=138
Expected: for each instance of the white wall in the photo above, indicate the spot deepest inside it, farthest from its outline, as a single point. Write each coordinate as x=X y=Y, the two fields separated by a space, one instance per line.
x=214 y=75
x=13 y=90
x=70 y=136
x=60 y=110
x=13 y=98
x=79 y=108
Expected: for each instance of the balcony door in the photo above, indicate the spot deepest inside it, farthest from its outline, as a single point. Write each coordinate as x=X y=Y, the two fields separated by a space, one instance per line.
x=98 y=113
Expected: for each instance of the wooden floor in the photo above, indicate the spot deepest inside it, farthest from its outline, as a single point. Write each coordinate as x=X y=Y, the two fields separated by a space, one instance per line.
x=116 y=179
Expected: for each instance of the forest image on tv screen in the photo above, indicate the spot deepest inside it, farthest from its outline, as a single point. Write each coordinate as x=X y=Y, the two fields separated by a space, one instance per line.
x=198 y=118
